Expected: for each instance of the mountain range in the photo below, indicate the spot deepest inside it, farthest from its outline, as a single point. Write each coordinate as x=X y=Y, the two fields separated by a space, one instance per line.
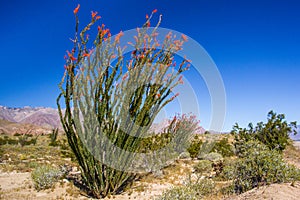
x=42 y=119
x=39 y=116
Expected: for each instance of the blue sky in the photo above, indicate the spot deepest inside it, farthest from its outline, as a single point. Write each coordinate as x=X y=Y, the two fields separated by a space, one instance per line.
x=255 y=45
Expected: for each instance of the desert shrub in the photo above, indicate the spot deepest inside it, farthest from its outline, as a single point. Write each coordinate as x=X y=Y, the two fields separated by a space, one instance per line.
x=203 y=166
x=34 y=140
x=12 y=141
x=175 y=142
x=17 y=134
x=195 y=147
x=274 y=134
x=223 y=147
x=258 y=165
x=3 y=141
x=154 y=142
x=180 y=127
x=46 y=176
x=190 y=191
x=23 y=140
x=26 y=139
x=107 y=109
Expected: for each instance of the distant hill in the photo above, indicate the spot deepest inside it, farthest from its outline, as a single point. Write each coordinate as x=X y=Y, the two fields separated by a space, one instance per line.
x=11 y=128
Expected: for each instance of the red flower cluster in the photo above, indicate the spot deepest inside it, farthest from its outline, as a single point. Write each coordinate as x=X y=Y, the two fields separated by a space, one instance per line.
x=76 y=9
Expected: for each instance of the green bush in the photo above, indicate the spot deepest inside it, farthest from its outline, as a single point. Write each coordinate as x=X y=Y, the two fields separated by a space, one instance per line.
x=154 y=142
x=223 y=147
x=46 y=176
x=258 y=165
x=191 y=191
x=195 y=147
x=274 y=133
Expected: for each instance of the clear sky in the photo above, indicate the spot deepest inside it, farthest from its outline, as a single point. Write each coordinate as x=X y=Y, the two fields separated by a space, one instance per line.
x=255 y=45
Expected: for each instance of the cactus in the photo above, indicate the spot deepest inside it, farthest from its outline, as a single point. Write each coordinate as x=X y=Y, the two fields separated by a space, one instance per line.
x=105 y=104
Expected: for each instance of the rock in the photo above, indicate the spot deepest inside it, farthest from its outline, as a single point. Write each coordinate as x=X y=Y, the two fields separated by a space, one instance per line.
x=214 y=157
x=158 y=174
x=184 y=155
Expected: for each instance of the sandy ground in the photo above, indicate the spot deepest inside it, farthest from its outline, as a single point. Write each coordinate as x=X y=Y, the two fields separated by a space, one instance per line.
x=275 y=192
x=19 y=186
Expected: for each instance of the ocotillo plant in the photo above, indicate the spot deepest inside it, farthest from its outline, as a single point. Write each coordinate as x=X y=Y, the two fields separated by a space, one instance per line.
x=53 y=137
x=110 y=103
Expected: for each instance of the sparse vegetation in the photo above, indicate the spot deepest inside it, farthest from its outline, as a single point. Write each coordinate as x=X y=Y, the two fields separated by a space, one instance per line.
x=190 y=191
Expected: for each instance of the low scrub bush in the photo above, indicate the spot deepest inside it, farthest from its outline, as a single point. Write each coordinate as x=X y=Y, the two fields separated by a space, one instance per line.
x=24 y=139
x=46 y=176
x=203 y=166
x=190 y=191
x=258 y=165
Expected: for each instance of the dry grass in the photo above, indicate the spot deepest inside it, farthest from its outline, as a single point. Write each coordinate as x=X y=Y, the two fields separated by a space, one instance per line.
x=28 y=157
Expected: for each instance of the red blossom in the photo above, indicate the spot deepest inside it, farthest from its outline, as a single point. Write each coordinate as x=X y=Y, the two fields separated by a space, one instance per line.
x=94 y=14
x=147 y=17
x=76 y=9
x=184 y=37
x=88 y=54
x=125 y=76
x=71 y=56
x=180 y=80
x=118 y=36
x=154 y=11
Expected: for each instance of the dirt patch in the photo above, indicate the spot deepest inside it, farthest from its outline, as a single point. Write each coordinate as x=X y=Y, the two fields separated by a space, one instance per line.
x=275 y=192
